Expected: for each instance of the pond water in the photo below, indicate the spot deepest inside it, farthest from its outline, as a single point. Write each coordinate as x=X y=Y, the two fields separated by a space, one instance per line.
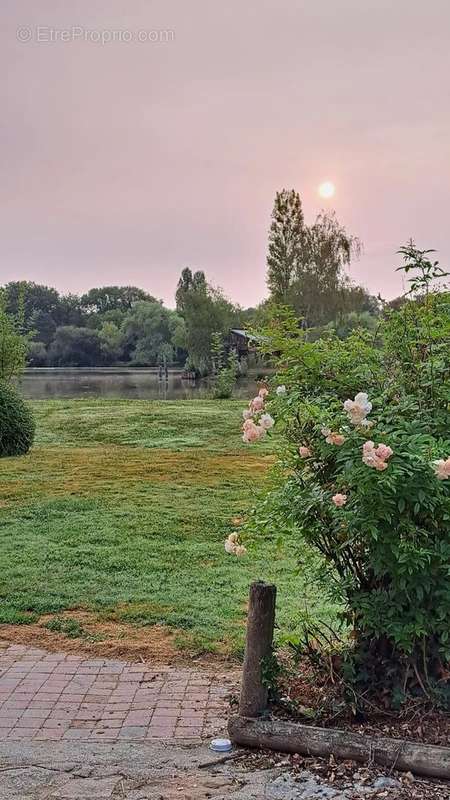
x=141 y=384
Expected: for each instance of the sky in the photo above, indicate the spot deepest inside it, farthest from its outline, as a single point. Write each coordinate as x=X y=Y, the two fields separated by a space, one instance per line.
x=142 y=136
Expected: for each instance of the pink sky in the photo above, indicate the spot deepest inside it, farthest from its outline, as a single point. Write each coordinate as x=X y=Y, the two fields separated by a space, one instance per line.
x=126 y=161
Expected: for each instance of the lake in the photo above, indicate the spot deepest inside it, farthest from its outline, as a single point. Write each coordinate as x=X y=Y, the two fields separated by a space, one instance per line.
x=141 y=384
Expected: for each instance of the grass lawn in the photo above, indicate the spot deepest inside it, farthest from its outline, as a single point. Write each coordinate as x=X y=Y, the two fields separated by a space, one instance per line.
x=122 y=508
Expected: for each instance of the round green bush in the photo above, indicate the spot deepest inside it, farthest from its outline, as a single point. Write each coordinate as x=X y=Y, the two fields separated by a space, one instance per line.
x=17 y=424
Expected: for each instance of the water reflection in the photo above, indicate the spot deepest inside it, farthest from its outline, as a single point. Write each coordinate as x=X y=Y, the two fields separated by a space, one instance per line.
x=143 y=384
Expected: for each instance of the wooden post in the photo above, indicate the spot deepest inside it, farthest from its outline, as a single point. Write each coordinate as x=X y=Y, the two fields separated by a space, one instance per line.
x=260 y=625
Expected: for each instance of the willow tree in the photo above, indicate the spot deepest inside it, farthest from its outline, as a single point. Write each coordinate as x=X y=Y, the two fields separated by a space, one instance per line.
x=321 y=290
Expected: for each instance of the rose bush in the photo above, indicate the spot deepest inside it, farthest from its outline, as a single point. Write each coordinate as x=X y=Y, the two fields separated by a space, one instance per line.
x=366 y=482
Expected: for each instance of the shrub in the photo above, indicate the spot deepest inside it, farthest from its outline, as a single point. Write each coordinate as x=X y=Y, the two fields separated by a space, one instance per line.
x=16 y=423
x=227 y=369
x=365 y=480
x=224 y=385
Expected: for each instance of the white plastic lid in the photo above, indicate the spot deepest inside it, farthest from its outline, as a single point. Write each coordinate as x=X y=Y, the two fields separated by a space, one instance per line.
x=220 y=745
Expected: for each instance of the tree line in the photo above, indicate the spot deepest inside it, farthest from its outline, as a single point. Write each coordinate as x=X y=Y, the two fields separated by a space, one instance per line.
x=119 y=325
x=125 y=325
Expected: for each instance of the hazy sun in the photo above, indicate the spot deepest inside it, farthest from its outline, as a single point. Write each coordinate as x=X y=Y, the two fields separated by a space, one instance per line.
x=327 y=189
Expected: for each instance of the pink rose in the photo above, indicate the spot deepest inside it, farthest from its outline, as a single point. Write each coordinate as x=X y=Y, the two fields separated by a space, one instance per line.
x=257 y=404
x=252 y=432
x=335 y=438
x=368 y=447
x=383 y=451
x=339 y=500
x=304 y=451
x=263 y=392
x=376 y=457
x=442 y=469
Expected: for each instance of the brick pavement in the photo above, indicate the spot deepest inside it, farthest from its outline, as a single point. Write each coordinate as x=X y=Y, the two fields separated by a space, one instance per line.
x=46 y=696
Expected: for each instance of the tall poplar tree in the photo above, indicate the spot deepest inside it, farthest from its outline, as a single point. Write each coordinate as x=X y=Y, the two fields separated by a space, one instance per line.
x=286 y=241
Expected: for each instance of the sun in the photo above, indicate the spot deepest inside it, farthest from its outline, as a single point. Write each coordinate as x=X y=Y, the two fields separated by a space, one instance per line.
x=327 y=189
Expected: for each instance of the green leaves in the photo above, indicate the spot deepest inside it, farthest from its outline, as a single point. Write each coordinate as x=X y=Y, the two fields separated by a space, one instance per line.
x=387 y=551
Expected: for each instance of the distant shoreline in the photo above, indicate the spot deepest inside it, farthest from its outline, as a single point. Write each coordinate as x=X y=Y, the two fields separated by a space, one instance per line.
x=103 y=370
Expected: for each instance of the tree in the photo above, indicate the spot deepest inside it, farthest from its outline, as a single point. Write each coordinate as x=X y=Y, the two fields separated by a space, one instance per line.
x=27 y=297
x=286 y=242
x=183 y=287
x=111 y=298
x=189 y=282
x=306 y=264
x=206 y=311
x=322 y=289
x=111 y=342
x=42 y=326
x=41 y=309
x=147 y=332
x=75 y=347
x=177 y=327
x=13 y=345
x=70 y=311
x=37 y=354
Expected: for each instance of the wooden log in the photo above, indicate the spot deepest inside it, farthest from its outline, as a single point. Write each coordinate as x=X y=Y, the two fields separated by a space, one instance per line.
x=290 y=737
x=260 y=625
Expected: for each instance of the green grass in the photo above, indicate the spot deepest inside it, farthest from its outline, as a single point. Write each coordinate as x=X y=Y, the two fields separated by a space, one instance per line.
x=69 y=627
x=122 y=508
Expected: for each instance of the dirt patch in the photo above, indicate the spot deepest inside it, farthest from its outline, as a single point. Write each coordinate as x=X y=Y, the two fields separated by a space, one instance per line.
x=316 y=695
x=107 y=639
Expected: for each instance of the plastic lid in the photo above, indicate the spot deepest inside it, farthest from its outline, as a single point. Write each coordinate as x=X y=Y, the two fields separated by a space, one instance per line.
x=220 y=745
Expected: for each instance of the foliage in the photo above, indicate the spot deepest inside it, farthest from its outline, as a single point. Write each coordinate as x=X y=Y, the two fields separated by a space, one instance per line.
x=13 y=345
x=206 y=312
x=111 y=342
x=189 y=282
x=75 y=347
x=306 y=264
x=286 y=244
x=321 y=289
x=360 y=483
x=31 y=299
x=147 y=333
x=346 y=323
x=113 y=298
x=37 y=354
x=17 y=425
x=226 y=368
x=113 y=325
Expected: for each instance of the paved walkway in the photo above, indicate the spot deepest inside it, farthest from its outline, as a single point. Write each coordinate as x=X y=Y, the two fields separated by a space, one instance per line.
x=45 y=696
